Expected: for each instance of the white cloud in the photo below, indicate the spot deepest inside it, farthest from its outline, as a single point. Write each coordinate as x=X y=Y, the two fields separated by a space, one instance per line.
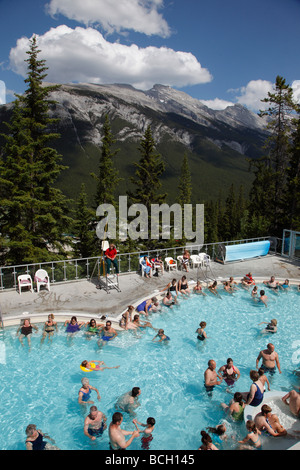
x=296 y=90
x=115 y=15
x=217 y=104
x=253 y=93
x=2 y=92
x=83 y=55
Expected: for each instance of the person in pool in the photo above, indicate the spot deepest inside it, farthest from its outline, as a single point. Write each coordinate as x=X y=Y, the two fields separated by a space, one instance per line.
x=35 y=439
x=117 y=435
x=94 y=423
x=201 y=334
x=236 y=407
x=252 y=439
x=162 y=337
x=85 y=393
x=93 y=328
x=271 y=326
x=270 y=359
x=128 y=402
x=25 y=330
x=256 y=394
x=230 y=372
x=168 y=300
x=292 y=399
x=211 y=377
x=49 y=327
x=285 y=285
x=73 y=326
x=198 y=289
x=107 y=333
x=147 y=432
x=96 y=365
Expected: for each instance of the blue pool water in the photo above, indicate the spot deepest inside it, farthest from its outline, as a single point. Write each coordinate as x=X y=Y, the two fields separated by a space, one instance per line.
x=41 y=386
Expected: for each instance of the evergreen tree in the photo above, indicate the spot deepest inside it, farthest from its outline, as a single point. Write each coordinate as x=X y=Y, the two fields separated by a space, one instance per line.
x=84 y=227
x=292 y=197
x=107 y=178
x=281 y=107
x=185 y=183
x=147 y=177
x=34 y=211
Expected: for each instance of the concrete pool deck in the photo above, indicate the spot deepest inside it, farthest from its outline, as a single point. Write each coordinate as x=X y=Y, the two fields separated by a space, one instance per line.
x=84 y=299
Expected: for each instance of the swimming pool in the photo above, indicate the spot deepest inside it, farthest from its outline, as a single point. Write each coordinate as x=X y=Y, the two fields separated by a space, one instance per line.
x=41 y=386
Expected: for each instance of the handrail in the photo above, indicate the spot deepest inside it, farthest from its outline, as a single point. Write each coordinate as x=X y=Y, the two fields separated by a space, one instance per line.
x=68 y=270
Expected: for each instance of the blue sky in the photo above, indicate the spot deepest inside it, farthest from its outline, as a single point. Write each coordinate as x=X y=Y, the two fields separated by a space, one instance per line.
x=220 y=52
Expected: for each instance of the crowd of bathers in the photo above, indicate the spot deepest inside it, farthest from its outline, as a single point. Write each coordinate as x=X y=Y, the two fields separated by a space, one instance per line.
x=95 y=422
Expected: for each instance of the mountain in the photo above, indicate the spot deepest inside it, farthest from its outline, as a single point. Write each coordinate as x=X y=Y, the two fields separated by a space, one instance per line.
x=217 y=142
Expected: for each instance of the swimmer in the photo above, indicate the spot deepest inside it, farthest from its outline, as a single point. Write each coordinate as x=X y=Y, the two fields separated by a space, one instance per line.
x=92 y=328
x=254 y=292
x=117 y=435
x=270 y=328
x=272 y=283
x=262 y=298
x=263 y=378
x=146 y=433
x=228 y=288
x=126 y=318
x=213 y=288
x=49 y=327
x=85 y=393
x=207 y=443
x=198 y=289
x=252 y=437
x=172 y=287
x=96 y=365
x=94 y=424
x=270 y=359
x=232 y=283
x=107 y=333
x=211 y=377
x=129 y=401
x=162 y=337
x=26 y=331
x=219 y=433
x=229 y=372
x=200 y=331
x=35 y=439
x=236 y=407
x=285 y=285
x=138 y=324
x=73 y=326
x=168 y=300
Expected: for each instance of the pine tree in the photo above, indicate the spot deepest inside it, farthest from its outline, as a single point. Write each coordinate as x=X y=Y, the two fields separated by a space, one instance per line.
x=185 y=183
x=147 y=177
x=34 y=210
x=292 y=197
x=84 y=228
x=281 y=107
x=107 y=178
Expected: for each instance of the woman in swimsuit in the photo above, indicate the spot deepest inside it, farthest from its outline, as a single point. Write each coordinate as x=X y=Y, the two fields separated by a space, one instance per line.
x=207 y=443
x=85 y=392
x=26 y=331
x=213 y=288
x=162 y=337
x=183 y=287
x=35 y=439
x=96 y=365
x=230 y=372
x=256 y=393
x=49 y=327
x=236 y=407
x=252 y=437
x=73 y=326
x=92 y=328
x=200 y=331
x=198 y=289
x=126 y=318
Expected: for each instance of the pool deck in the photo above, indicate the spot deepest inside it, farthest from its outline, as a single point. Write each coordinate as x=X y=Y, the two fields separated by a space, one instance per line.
x=85 y=300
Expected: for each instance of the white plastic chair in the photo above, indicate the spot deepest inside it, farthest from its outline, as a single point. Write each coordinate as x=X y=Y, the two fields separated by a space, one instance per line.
x=205 y=259
x=41 y=278
x=170 y=263
x=143 y=268
x=25 y=280
x=196 y=261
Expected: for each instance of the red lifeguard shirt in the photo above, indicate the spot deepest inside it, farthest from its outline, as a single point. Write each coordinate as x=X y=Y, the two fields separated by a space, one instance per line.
x=111 y=253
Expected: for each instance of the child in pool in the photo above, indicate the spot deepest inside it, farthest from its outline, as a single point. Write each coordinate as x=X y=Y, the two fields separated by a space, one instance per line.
x=252 y=437
x=96 y=365
x=147 y=433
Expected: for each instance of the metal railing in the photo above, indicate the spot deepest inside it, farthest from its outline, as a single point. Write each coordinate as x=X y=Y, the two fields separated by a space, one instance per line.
x=70 y=270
